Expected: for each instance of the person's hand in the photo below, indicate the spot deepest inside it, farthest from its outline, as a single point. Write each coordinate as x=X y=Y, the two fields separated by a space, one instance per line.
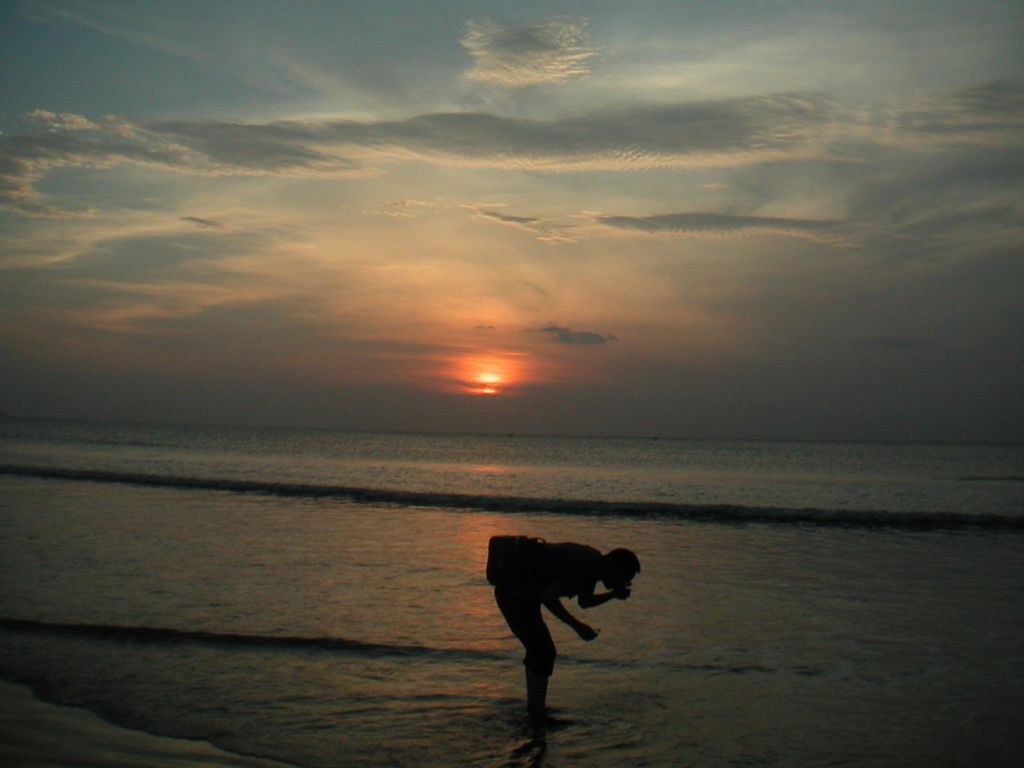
x=586 y=632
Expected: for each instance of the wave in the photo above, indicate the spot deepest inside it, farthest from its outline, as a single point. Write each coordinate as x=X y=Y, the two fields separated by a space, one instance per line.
x=992 y=479
x=718 y=513
x=164 y=636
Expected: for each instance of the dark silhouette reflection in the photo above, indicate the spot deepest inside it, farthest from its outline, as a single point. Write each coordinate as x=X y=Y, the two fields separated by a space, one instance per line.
x=528 y=572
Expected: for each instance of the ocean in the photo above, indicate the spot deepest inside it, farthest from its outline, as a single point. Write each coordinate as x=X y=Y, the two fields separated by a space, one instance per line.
x=318 y=597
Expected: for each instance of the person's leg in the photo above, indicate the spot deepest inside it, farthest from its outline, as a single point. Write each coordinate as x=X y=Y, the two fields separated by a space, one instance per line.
x=536 y=693
x=523 y=615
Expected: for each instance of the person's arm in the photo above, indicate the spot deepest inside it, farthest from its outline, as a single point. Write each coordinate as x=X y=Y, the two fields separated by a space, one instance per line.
x=590 y=600
x=554 y=604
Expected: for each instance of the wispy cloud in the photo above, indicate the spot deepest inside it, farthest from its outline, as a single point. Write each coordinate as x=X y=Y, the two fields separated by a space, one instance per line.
x=108 y=20
x=544 y=230
x=64 y=141
x=569 y=336
x=990 y=113
x=52 y=122
x=518 y=56
x=726 y=133
x=679 y=135
x=203 y=223
x=402 y=209
x=719 y=225
x=524 y=221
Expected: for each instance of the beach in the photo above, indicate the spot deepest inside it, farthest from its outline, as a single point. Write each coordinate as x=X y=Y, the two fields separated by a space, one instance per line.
x=713 y=308
x=41 y=735
x=322 y=630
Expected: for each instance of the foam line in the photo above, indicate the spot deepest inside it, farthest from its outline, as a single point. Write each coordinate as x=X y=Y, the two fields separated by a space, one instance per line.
x=718 y=513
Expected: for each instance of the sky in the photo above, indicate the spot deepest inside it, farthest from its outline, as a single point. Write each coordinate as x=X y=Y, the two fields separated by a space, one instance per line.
x=739 y=219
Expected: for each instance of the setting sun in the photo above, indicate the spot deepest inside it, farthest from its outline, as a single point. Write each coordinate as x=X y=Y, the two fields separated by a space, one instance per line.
x=491 y=374
x=489 y=383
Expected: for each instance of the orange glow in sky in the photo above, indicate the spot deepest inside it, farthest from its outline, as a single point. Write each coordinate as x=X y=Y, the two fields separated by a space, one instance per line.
x=488 y=375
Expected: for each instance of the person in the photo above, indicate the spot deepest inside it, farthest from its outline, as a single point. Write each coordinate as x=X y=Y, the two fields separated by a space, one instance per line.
x=528 y=573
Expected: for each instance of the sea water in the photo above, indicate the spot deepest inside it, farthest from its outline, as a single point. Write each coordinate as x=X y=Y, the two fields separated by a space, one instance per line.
x=318 y=597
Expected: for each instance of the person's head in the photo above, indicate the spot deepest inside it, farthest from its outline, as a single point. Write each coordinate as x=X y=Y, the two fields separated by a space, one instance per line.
x=619 y=567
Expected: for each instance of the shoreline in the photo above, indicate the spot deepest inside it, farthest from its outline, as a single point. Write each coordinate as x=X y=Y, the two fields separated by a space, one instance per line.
x=37 y=734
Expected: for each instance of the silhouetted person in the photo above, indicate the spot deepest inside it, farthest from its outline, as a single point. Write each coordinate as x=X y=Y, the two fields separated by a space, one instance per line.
x=528 y=573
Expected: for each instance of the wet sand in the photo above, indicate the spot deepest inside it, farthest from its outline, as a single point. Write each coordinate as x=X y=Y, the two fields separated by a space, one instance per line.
x=35 y=734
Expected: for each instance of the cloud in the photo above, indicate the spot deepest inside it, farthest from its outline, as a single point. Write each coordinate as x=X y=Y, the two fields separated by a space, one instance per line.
x=962 y=202
x=278 y=148
x=204 y=223
x=545 y=231
x=638 y=137
x=108 y=21
x=507 y=218
x=53 y=121
x=986 y=114
x=719 y=224
x=725 y=133
x=569 y=336
x=518 y=56
x=401 y=209
x=67 y=142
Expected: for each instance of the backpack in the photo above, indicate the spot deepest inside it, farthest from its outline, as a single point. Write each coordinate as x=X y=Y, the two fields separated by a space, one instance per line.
x=514 y=559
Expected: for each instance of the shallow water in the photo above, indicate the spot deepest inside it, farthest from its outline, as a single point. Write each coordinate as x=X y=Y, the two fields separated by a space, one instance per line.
x=755 y=644
x=324 y=631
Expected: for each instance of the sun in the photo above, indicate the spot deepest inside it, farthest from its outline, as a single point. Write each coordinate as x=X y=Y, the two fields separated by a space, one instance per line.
x=489 y=375
x=489 y=383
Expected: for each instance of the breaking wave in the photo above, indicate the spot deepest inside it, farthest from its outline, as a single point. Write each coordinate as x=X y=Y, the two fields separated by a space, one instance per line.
x=164 y=636
x=718 y=513
x=232 y=640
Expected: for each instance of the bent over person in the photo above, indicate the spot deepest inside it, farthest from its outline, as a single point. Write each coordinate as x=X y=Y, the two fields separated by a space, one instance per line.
x=528 y=572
